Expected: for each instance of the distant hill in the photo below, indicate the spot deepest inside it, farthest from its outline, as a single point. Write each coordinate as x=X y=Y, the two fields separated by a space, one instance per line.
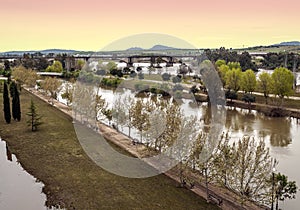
x=135 y=49
x=161 y=47
x=292 y=43
x=55 y=51
x=155 y=47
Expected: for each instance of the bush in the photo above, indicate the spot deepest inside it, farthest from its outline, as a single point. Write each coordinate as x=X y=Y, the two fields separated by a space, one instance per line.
x=177 y=87
x=166 y=76
x=176 y=79
x=101 y=72
x=231 y=95
x=248 y=98
x=132 y=74
x=141 y=76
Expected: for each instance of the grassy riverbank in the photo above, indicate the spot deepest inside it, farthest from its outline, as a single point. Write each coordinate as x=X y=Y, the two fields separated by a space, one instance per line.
x=54 y=156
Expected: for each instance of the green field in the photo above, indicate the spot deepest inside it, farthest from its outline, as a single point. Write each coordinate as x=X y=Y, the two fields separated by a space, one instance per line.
x=54 y=156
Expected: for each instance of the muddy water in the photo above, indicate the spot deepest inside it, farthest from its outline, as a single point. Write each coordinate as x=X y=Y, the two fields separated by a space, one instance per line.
x=282 y=136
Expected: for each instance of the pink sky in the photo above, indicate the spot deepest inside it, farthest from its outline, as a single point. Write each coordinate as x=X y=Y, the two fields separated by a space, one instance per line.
x=92 y=24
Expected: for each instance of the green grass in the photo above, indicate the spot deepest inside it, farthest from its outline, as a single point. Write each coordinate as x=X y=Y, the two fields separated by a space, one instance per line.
x=54 y=156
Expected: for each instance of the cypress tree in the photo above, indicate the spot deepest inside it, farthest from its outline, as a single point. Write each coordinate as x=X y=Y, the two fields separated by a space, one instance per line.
x=16 y=109
x=6 y=104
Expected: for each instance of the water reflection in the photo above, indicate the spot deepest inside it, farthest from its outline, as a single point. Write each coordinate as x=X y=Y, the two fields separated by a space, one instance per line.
x=8 y=154
x=276 y=130
x=18 y=189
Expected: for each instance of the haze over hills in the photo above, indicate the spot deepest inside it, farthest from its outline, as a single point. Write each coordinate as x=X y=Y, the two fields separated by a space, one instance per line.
x=157 y=47
x=292 y=43
x=55 y=51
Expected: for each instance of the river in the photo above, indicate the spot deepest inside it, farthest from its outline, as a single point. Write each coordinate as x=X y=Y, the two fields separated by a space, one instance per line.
x=282 y=135
x=18 y=189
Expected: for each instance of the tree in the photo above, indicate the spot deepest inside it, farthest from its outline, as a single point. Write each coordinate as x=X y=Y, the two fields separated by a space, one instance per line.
x=283 y=82
x=248 y=81
x=220 y=62
x=140 y=116
x=80 y=64
x=166 y=76
x=35 y=119
x=133 y=74
x=68 y=93
x=55 y=67
x=141 y=76
x=265 y=84
x=251 y=170
x=222 y=70
x=25 y=76
x=6 y=104
x=52 y=86
x=119 y=112
x=111 y=65
x=284 y=188
x=176 y=79
x=233 y=79
x=16 y=108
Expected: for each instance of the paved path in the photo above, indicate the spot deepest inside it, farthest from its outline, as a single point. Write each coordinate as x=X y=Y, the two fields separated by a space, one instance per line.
x=227 y=200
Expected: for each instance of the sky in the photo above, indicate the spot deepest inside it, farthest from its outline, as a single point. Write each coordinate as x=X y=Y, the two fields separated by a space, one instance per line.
x=94 y=24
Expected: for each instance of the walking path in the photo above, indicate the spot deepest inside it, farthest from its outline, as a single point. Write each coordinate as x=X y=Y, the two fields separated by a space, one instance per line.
x=222 y=197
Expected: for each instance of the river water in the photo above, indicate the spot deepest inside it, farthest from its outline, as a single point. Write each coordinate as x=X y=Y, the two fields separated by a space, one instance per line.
x=282 y=135
x=18 y=189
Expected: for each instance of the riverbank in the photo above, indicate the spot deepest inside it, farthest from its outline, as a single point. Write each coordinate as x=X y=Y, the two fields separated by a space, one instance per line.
x=225 y=198
x=266 y=109
x=54 y=156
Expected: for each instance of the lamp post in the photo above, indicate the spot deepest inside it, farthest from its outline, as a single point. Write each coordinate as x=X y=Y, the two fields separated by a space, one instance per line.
x=273 y=186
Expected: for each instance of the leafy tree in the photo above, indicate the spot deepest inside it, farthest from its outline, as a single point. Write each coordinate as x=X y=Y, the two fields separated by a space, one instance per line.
x=111 y=65
x=6 y=104
x=283 y=82
x=248 y=81
x=234 y=65
x=80 y=64
x=284 y=188
x=220 y=62
x=233 y=79
x=51 y=85
x=55 y=67
x=166 y=76
x=25 y=76
x=222 y=70
x=265 y=84
x=140 y=116
x=35 y=119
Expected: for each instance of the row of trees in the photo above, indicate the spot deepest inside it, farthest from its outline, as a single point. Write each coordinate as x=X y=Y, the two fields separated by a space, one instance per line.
x=229 y=55
x=280 y=82
x=273 y=60
x=244 y=167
